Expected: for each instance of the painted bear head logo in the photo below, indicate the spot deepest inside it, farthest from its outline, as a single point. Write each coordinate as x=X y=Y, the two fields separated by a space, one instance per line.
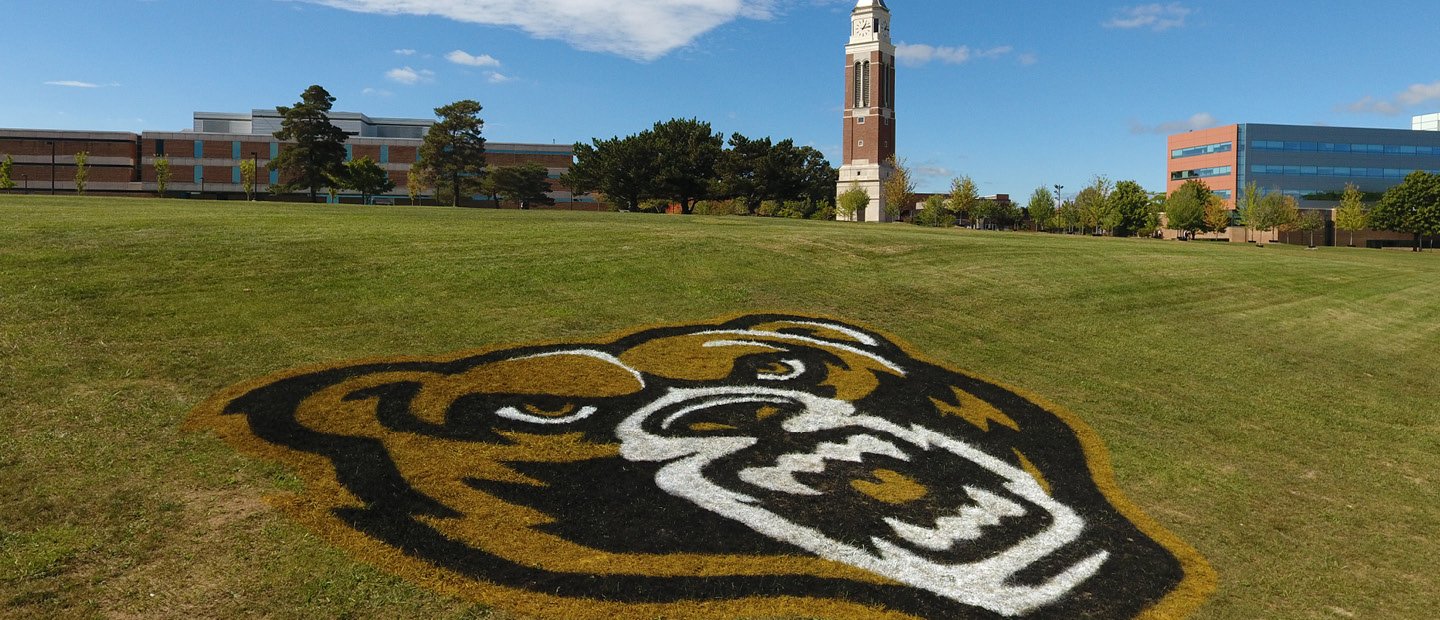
x=761 y=465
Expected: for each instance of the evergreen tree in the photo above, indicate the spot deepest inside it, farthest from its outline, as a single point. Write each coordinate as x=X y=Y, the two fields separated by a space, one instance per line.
x=526 y=184
x=315 y=148
x=453 y=153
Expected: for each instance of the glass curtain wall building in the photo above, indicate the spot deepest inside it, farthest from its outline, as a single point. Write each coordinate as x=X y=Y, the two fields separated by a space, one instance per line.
x=1311 y=163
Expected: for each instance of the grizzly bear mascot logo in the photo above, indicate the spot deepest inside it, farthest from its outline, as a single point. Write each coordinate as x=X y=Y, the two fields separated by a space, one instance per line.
x=765 y=465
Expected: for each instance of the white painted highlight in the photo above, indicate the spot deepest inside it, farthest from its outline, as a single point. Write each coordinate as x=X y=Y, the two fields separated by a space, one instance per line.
x=781 y=477
x=797 y=368
x=512 y=413
x=983 y=583
x=824 y=344
x=987 y=510
x=599 y=355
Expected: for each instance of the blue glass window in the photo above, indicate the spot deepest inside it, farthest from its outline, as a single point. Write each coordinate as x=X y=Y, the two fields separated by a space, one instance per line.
x=1219 y=147
x=1200 y=173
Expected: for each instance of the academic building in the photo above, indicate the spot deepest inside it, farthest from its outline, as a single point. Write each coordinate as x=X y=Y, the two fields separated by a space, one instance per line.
x=1311 y=163
x=205 y=159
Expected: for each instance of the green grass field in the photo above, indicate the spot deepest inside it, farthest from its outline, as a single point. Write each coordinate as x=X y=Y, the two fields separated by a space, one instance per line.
x=1273 y=407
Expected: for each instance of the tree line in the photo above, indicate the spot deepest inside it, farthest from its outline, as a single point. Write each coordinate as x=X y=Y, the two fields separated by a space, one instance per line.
x=685 y=163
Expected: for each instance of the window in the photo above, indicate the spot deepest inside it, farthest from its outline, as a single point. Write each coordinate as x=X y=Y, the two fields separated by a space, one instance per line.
x=1219 y=147
x=859 y=120
x=857 y=84
x=1334 y=147
x=1200 y=173
x=866 y=74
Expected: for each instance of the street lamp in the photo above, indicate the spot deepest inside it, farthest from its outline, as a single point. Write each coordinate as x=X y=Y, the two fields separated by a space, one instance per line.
x=27 y=182
x=255 y=175
x=1058 y=200
x=52 y=166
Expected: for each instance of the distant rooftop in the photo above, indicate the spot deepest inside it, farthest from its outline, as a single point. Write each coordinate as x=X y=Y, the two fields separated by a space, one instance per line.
x=267 y=121
x=1426 y=122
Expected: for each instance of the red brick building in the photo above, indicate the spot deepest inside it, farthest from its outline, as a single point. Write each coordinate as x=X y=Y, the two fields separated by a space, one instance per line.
x=205 y=160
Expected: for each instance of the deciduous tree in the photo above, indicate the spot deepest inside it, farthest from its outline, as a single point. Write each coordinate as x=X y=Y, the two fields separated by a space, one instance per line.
x=854 y=201
x=1309 y=222
x=1275 y=212
x=1247 y=208
x=899 y=189
x=1217 y=214
x=453 y=153
x=1352 y=215
x=1185 y=208
x=363 y=175
x=415 y=184
x=935 y=214
x=82 y=171
x=1127 y=208
x=964 y=195
x=162 y=174
x=247 y=178
x=1041 y=207
x=1412 y=207
x=315 y=148
x=7 y=169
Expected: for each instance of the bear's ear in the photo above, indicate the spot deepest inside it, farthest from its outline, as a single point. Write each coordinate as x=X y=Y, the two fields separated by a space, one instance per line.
x=821 y=328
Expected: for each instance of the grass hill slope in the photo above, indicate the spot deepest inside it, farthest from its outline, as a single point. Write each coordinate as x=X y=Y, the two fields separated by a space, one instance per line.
x=1275 y=408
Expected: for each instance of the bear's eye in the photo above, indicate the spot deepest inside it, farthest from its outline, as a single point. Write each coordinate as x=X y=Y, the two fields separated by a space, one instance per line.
x=541 y=414
x=781 y=370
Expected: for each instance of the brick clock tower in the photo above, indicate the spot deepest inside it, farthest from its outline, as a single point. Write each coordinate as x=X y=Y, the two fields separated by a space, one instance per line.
x=869 y=106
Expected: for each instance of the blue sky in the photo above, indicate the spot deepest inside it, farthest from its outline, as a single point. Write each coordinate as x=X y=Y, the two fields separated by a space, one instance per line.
x=1014 y=94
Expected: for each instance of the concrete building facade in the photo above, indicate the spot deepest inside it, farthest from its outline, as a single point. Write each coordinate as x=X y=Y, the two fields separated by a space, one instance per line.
x=868 y=133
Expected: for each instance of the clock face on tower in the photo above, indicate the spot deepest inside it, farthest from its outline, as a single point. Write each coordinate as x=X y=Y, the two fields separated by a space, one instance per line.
x=863 y=26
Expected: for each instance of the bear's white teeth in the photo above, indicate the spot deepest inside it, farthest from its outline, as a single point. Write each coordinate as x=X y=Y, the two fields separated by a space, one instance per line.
x=965 y=524
x=781 y=476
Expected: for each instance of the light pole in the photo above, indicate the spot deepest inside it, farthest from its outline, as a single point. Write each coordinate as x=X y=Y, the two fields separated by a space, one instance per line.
x=255 y=175
x=1058 y=202
x=52 y=166
x=27 y=182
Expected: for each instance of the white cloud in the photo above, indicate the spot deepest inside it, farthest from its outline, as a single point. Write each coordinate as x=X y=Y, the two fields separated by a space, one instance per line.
x=408 y=76
x=1203 y=120
x=72 y=84
x=378 y=92
x=459 y=57
x=405 y=52
x=499 y=78
x=1416 y=94
x=1029 y=58
x=916 y=54
x=638 y=29
x=1157 y=17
